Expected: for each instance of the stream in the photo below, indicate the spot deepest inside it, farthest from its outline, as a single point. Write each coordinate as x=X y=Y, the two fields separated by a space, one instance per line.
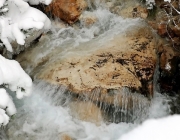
x=45 y=115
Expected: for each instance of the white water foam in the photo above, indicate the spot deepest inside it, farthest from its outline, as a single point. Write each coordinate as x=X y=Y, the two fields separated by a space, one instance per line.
x=68 y=40
x=45 y=116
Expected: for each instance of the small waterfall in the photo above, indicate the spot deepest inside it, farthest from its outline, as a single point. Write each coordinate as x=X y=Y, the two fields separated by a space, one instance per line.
x=119 y=105
x=46 y=114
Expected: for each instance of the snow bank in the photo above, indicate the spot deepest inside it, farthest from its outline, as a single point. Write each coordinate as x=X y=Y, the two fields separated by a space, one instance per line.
x=156 y=129
x=21 y=17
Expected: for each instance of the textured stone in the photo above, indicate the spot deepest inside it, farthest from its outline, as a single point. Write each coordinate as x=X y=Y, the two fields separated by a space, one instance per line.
x=86 y=111
x=100 y=70
x=67 y=10
x=123 y=62
x=169 y=62
x=140 y=11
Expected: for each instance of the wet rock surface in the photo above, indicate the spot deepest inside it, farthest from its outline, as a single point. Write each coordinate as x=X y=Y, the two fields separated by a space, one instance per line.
x=169 y=70
x=166 y=23
x=123 y=62
x=114 y=75
x=169 y=67
x=67 y=10
x=110 y=76
x=86 y=111
x=127 y=8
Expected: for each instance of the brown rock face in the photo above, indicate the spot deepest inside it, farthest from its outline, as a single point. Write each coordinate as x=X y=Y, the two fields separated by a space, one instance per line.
x=123 y=62
x=166 y=21
x=67 y=10
x=101 y=70
x=169 y=69
x=140 y=11
x=169 y=59
x=86 y=111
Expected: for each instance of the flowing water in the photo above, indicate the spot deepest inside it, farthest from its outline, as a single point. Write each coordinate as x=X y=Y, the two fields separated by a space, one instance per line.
x=45 y=115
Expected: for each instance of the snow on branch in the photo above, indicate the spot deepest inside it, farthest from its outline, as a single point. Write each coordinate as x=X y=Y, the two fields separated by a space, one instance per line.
x=7 y=104
x=36 y=2
x=13 y=77
x=16 y=16
x=20 y=17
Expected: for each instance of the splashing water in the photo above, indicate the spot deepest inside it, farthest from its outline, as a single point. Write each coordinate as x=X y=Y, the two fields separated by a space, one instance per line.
x=46 y=115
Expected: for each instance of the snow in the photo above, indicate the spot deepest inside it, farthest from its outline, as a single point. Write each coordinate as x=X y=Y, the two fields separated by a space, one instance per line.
x=36 y=2
x=4 y=119
x=21 y=17
x=2 y=3
x=156 y=129
x=17 y=16
x=7 y=104
x=14 y=76
x=167 y=0
x=150 y=4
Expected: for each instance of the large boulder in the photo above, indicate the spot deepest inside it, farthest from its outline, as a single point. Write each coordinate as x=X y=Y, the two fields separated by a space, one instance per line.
x=67 y=10
x=125 y=61
x=114 y=73
x=32 y=38
x=169 y=67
